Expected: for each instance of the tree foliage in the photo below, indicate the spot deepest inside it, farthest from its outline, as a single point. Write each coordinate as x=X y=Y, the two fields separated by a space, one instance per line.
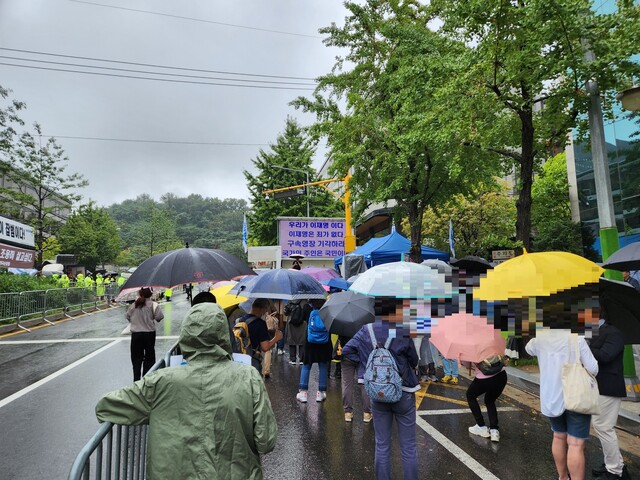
x=9 y=120
x=148 y=227
x=553 y=226
x=39 y=188
x=92 y=235
x=481 y=220
x=293 y=150
x=530 y=72
x=381 y=111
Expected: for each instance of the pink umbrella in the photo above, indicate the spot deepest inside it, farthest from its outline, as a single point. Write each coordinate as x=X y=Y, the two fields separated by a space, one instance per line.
x=466 y=337
x=320 y=273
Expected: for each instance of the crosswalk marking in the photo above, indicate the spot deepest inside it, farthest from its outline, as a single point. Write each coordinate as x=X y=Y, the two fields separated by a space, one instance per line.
x=454 y=411
x=460 y=454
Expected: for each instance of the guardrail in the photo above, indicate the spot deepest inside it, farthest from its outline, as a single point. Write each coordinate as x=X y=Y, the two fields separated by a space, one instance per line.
x=117 y=451
x=45 y=304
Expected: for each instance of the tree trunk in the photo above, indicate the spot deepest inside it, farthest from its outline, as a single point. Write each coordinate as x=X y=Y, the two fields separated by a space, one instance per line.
x=415 y=227
x=523 y=204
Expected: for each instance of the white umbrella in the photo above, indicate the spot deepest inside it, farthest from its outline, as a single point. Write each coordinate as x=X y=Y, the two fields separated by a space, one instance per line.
x=403 y=280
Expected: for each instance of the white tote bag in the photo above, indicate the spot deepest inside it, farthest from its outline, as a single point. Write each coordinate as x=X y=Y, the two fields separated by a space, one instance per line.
x=579 y=387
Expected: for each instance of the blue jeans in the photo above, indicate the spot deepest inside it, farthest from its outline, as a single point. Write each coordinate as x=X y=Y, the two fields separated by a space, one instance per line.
x=450 y=367
x=323 y=368
x=404 y=412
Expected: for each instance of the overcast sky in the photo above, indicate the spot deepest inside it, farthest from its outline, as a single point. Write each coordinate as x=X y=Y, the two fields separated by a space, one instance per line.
x=98 y=106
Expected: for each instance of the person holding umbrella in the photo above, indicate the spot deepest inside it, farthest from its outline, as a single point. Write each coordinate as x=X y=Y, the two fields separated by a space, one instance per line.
x=318 y=349
x=554 y=348
x=142 y=316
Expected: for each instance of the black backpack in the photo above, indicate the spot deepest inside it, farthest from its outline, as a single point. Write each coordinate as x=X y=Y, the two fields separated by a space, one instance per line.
x=295 y=312
x=491 y=365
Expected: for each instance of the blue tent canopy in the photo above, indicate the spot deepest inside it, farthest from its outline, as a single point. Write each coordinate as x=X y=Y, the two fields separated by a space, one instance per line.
x=391 y=249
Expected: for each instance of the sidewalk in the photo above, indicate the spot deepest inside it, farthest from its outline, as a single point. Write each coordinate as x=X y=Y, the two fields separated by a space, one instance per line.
x=628 y=410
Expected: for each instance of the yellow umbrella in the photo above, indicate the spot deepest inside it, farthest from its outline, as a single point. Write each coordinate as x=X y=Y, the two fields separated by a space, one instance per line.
x=225 y=299
x=536 y=275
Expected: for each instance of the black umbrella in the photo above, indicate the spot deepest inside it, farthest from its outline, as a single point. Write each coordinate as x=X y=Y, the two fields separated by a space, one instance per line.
x=472 y=264
x=625 y=259
x=345 y=312
x=622 y=304
x=187 y=265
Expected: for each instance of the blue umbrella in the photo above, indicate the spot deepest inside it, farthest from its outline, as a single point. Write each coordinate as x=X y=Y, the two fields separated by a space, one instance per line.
x=338 y=282
x=280 y=285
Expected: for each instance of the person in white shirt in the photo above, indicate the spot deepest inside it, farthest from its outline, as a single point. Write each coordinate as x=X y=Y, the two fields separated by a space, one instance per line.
x=570 y=429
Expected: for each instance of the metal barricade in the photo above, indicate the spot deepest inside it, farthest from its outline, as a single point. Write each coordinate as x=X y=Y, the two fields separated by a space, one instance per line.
x=33 y=306
x=55 y=302
x=9 y=307
x=117 y=451
x=39 y=304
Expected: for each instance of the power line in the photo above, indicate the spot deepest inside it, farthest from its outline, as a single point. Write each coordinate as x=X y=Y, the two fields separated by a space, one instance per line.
x=172 y=142
x=195 y=19
x=222 y=72
x=152 y=78
x=154 y=73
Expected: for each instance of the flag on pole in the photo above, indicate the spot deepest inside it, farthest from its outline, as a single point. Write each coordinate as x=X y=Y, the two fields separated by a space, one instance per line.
x=451 y=242
x=244 y=233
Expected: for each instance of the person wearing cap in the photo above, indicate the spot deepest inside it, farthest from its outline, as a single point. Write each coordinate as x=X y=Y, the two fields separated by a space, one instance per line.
x=142 y=316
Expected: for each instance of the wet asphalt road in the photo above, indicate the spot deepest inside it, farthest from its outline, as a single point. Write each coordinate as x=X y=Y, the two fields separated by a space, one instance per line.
x=43 y=429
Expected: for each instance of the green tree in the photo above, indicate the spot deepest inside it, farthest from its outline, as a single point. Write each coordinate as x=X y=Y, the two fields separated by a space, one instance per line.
x=292 y=149
x=530 y=71
x=553 y=226
x=9 y=120
x=41 y=189
x=380 y=110
x=155 y=234
x=481 y=220
x=51 y=247
x=91 y=234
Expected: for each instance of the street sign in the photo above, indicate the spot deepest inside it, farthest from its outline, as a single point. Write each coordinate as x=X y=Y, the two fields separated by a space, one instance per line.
x=289 y=193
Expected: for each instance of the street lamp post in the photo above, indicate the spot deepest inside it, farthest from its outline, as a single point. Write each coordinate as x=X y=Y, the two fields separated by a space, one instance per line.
x=630 y=100
x=306 y=186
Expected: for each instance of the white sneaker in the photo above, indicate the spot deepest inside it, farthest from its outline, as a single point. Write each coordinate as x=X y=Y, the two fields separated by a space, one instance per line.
x=302 y=396
x=480 y=431
x=495 y=435
x=320 y=396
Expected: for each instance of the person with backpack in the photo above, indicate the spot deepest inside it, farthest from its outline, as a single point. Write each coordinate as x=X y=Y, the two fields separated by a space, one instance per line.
x=318 y=349
x=490 y=380
x=252 y=335
x=297 y=314
x=387 y=359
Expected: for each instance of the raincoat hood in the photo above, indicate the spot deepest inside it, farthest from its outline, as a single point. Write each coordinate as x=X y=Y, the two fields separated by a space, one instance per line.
x=205 y=332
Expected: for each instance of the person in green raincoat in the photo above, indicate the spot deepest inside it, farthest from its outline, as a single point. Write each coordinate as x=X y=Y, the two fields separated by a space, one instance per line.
x=211 y=418
x=100 y=286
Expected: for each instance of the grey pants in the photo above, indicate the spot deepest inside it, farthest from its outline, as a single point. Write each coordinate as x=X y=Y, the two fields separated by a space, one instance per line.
x=349 y=379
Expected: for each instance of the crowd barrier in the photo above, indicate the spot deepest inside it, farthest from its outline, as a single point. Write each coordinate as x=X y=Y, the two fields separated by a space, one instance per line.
x=117 y=451
x=45 y=305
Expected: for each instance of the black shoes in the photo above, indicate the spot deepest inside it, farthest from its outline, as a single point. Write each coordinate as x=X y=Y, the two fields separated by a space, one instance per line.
x=601 y=473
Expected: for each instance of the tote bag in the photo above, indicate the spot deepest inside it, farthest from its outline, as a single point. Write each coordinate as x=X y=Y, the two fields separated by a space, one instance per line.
x=579 y=387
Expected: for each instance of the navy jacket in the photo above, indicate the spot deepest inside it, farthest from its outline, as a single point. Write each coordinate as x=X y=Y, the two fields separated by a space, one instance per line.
x=608 y=349
x=402 y=348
